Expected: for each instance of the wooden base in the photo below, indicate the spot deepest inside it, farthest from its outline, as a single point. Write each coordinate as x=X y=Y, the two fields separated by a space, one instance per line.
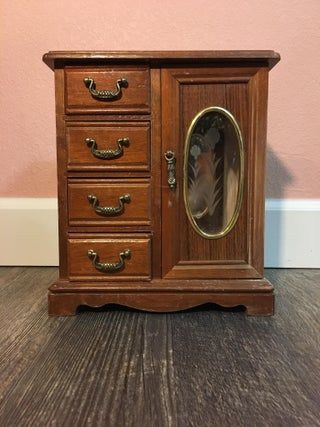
x=258 y=300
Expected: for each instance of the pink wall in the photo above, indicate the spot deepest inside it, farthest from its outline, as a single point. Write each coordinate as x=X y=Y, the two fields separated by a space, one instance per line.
x=29 y=28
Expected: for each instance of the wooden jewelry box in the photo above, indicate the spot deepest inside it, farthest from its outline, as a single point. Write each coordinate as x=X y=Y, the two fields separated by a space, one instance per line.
x=161 y=170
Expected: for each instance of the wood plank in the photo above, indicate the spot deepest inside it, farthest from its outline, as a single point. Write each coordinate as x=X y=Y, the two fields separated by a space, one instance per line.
x=118 y=367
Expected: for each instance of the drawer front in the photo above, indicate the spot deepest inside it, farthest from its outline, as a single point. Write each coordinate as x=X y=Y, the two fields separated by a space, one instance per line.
x=110 y=257
x=128 y=146
x=132 y=97
x=109 y=202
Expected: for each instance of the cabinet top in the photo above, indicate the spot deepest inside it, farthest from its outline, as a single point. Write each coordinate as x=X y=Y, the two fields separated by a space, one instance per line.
x=56 y=59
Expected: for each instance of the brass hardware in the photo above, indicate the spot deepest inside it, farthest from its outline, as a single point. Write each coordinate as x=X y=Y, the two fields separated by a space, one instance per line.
x=107 y=154
x=236 y=212
x=105 y=94
x=108 y=267
x=171 y=168
x=109 y=211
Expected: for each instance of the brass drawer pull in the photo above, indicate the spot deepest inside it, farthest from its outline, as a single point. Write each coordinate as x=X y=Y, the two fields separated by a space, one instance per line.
x=107 y=154
x=105 y=94
x=108 y=210
x=171 y=169
x=108 y=267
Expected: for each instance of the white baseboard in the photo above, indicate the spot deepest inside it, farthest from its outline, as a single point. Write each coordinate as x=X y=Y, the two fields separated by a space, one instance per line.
x=29 y=232
x=292 y=233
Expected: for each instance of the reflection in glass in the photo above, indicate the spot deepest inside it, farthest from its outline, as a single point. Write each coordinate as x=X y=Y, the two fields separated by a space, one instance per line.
x=213 y=172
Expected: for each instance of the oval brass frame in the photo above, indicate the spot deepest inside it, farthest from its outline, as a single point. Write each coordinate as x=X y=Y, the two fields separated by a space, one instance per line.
x=236 y=213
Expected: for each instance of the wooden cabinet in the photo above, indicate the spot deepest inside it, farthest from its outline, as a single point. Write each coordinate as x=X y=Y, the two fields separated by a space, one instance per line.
x=161 y=159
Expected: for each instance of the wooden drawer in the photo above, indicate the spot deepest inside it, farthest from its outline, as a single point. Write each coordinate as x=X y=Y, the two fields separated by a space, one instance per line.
x=108 y=249
x=134 y=97
x=131 y=198
x=134 y=154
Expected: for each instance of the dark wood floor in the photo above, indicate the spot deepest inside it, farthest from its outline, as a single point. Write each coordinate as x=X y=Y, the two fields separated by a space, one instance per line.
x=116 y=367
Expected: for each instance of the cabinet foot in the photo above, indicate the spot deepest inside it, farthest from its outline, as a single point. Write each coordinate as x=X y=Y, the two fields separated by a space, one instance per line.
x=62 y=305
x=261 y=306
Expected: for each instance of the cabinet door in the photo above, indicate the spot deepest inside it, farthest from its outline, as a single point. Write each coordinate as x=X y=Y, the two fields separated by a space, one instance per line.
x=214 y=123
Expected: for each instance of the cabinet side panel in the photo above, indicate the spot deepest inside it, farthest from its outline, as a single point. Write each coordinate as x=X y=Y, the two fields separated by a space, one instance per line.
x=258 y=89
x=61 y=167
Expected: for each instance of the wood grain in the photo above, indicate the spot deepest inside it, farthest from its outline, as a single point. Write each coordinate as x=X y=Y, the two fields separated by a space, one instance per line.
x=184 y=95
x=136 y=157
x=136 y=212
x=117 y=367
x=133 y=98
x=61 y=171
x=60 y=58
x=258 y=88
x=156 y=158
x=108 y=247
x=67 y=304
x=154 y=111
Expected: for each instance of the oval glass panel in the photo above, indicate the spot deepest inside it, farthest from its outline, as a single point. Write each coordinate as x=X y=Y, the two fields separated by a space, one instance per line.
x=213 y=172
